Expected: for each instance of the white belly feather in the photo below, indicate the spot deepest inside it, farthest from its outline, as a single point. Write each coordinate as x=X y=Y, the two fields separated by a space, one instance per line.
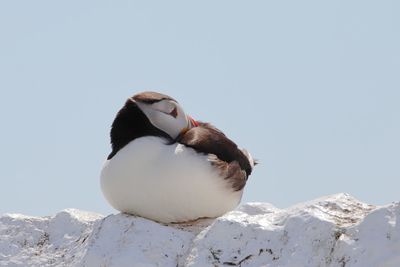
x=166 y=183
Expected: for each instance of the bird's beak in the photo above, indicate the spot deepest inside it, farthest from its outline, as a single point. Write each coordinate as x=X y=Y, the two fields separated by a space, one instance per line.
x=192 y=122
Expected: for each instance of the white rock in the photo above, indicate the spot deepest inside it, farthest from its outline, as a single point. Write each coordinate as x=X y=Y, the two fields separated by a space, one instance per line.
x=336 y=230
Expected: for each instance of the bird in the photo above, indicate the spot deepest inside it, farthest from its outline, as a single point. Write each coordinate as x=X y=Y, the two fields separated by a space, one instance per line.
x=168 y=167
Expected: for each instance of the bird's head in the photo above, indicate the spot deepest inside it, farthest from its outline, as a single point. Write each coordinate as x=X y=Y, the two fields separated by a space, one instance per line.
x=148 y=114
x=164 y=113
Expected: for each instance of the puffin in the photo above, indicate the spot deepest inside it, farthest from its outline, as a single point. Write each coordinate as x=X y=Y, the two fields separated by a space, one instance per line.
x=166 y=166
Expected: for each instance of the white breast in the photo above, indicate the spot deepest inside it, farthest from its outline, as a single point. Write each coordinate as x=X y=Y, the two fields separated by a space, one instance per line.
x=166 y=183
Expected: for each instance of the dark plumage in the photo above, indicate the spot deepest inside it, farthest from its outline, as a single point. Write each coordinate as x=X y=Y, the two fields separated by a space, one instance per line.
x=129 y=124
x=151 y=97
x=225 y=155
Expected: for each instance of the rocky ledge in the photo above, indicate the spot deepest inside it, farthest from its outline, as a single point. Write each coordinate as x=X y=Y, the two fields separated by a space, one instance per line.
x=336 y=230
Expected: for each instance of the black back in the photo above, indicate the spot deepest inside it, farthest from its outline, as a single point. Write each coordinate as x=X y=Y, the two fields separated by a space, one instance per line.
x=129 y=124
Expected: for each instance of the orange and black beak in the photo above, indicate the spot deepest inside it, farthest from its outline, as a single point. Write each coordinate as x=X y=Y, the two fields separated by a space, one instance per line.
x=192 y=121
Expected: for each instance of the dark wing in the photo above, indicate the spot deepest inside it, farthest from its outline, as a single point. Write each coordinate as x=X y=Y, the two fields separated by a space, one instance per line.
x=223 y=153
x=230 y=171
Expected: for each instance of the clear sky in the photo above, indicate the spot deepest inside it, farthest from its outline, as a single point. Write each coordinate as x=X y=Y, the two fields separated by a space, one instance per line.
x=310 y=88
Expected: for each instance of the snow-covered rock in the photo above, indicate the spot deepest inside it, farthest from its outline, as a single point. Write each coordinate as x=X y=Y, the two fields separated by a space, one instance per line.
x=336 y=230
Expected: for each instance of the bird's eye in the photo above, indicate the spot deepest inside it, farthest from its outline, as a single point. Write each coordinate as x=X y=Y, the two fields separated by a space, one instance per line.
x=174 y=112
x=166 y=107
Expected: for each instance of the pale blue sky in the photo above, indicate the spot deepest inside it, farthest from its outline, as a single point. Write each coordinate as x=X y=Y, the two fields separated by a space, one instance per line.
x=310 y=88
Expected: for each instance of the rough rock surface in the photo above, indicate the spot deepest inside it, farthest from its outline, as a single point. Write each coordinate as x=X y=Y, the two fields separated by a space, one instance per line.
x=336 y=230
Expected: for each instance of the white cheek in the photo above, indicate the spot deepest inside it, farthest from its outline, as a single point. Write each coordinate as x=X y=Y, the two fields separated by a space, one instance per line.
x=182 y=119
x=165 y=122
x=163 y=106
